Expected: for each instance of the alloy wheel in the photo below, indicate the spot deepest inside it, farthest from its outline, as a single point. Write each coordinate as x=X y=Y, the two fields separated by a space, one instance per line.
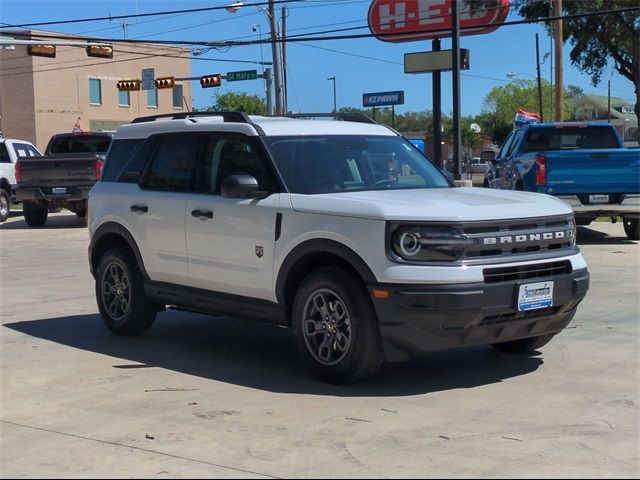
x=116 y=291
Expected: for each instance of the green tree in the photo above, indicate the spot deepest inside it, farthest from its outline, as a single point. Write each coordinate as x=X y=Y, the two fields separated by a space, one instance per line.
x=596 y=40
x=243 y=102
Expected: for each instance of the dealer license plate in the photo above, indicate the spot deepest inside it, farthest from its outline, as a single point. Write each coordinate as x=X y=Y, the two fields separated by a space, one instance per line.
x=534 y=296
x=598 y=199
x=59 y=190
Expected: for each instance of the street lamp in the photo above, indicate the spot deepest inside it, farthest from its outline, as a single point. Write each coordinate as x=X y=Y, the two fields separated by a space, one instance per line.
x=335 y=106
x=270 y=14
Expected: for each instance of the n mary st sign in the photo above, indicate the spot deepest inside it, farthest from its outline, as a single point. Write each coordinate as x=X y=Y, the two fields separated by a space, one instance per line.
x=411 y=20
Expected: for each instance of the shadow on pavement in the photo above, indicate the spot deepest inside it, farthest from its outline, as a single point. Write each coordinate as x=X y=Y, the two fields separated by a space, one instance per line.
x=263 y=357
x=589 y=236
x=54 y=222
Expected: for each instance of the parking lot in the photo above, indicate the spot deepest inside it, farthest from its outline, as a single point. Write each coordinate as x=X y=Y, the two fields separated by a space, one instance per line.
x=199 y=396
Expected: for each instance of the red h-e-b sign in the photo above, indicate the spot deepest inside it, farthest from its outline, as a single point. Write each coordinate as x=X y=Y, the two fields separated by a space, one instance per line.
x=410 y=20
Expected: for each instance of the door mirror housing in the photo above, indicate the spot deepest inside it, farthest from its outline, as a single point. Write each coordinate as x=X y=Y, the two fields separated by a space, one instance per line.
x=242 y=186
x=488 y=156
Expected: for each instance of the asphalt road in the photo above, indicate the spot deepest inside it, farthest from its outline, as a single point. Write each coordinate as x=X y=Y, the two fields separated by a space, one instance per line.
x=199 y=396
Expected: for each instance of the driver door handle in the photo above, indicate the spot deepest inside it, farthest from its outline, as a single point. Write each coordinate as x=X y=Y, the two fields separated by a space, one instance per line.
x=202 y=214
x=139 y=208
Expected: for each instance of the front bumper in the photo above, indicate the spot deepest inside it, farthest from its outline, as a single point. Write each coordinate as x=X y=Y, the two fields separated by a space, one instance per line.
x=423 y=318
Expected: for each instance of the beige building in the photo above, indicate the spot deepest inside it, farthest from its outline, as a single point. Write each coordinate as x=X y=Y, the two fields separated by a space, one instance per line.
x=42 y=96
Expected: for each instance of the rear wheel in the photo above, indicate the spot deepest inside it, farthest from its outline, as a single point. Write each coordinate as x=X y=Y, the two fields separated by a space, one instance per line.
x=336 y=328
x=632 y=228
x=34 y=214
x=525 y=345
x=122 y=303
x=5 y=206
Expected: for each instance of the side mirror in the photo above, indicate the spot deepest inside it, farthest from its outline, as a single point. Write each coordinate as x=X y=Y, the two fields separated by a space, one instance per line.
x=488 y=156
x=242 y=186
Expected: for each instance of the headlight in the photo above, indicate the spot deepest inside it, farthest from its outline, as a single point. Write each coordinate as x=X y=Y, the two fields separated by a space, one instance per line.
x=427 y=244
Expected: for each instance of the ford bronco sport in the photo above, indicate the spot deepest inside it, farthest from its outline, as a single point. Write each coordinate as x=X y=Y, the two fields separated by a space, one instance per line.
x=341 y=230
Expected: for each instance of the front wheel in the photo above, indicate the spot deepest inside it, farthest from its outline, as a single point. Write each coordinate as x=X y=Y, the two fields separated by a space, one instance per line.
x=525 y=345
x=5 y=206
x=122 y=302
x=336 y=328
x=632 y=228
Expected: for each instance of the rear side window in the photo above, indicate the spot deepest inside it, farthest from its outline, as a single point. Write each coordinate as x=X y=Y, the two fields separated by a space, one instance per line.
x=570 y=138
x=118 y=156
x=173 y=165
x=4 y=155
x=25 y=150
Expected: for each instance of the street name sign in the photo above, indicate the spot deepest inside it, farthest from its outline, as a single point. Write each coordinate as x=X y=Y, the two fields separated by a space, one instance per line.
x=243 y=75
x=383 y=99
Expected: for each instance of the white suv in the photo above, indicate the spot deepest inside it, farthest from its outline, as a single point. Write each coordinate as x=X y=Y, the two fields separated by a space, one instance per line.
x=341 y=230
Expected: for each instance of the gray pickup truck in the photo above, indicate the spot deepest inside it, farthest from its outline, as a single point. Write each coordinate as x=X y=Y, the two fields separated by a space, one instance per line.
x=62 y=178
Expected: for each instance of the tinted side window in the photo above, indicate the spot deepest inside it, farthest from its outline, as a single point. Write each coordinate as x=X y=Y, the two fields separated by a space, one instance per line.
x=4 y=155
x=506 y=146
x=230 y=154
x=173 y=165
x=517 y=138
x=118 y=156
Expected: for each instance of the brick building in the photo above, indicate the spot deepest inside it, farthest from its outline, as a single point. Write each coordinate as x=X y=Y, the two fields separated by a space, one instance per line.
x=42 y=96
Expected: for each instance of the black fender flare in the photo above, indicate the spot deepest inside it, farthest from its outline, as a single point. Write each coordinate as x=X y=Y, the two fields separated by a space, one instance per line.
x=321 y=246
x=113 y=228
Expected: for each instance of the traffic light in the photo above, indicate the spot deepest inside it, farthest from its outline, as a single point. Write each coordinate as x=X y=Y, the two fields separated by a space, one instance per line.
x=209 y=81
x=42 y=51
x=128 y=85
x=100 y=51
x=464 y=59
x=165 y=82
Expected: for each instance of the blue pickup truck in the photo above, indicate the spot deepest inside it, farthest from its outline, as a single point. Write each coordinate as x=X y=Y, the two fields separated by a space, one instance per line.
x=584 y=164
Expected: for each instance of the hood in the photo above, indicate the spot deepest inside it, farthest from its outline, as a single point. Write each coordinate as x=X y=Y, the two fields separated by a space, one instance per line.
x=440 y=205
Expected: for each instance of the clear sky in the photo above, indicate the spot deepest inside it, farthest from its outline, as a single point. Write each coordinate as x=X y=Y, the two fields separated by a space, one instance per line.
x=359 y=65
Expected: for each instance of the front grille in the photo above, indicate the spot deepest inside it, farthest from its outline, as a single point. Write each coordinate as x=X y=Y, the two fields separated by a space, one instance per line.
x=527 y=272
x=515 y=316
x=490 y=240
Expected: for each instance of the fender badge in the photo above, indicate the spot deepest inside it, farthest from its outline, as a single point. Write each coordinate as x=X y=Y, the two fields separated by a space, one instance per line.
x=259 y=251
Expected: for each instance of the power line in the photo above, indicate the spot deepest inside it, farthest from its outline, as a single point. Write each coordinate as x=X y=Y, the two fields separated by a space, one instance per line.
x=119 y=17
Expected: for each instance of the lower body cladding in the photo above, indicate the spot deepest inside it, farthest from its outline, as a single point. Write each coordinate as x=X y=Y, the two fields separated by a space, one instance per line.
x=423 y=318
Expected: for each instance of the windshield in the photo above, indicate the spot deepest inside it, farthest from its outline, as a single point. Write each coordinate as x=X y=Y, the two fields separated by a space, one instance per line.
x=339 y=163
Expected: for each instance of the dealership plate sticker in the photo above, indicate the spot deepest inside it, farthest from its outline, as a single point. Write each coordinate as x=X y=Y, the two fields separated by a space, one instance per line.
x=534 y=296
x=59 y=190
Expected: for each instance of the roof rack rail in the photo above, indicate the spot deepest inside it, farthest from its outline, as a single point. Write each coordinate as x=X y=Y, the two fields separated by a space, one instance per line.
x=344 y=116
x=231 y=117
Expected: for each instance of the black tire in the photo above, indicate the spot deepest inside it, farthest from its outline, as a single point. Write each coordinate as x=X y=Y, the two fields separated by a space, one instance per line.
x=5 y=206
x=122 y=303
x=343 y=345
x=525 y=345
x=35 y=215
x=81 y=213
x=632 y=228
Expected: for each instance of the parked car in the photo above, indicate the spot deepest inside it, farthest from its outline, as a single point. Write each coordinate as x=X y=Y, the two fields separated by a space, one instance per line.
x=583 y=164
x=477 y=165
x=340 y=230
x=10 y=151
x=62 y=178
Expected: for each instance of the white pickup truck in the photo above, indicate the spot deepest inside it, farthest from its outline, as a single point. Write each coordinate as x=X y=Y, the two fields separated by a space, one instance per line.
x=10 y=151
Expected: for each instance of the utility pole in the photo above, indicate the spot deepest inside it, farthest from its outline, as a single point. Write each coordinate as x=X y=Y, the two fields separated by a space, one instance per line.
x=455 y=22
x=437 y=111
x=559 y=100
x=539 y=79
x=274 y=53
x=283 y=45
x=269 y=81
x=609 y=100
